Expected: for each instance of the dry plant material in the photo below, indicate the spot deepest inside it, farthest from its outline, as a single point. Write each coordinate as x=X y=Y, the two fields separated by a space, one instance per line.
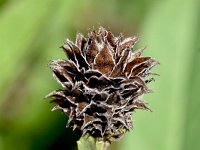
x=102 y=81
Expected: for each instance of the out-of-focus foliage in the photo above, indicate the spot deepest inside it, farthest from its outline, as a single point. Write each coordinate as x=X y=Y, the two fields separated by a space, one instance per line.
x=31 y=32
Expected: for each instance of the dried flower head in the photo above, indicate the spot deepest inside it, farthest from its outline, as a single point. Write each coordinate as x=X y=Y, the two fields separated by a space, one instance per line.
x=102 y=83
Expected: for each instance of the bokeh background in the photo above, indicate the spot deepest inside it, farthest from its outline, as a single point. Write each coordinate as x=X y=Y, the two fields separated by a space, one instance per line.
x=31 y=32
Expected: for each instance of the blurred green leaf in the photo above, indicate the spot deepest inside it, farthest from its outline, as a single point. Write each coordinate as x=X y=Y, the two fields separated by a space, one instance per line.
x=26 y=50
x=170 y=33
x=19 y=25
x=192 y=130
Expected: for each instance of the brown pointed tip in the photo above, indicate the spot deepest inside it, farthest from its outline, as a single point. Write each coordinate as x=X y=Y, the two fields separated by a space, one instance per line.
x=79 y=40
x=148 y=90
x=102 y=29
x=154 y=62
x=148 y=109
x=61 y=46
x=49 y=95
x=154 y=74
x=57 y=107
x=46 y=97
x=140 y=51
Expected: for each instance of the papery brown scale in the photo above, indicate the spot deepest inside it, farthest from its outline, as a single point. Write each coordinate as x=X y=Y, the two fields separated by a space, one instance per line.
x=136 y=54
x=68 y=52
x=135 y=62
x=117 y=70
x=80 y=41
x=104 y=60
x=142 y=67
x=111 y=39
x=127 y=43
x=62 y=75
x=92 y=51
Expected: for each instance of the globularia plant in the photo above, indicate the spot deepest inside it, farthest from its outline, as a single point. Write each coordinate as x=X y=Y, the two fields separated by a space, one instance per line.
x=102 y=81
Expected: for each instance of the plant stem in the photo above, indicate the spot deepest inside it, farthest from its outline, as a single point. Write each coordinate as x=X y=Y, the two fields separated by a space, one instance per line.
x=87 y=142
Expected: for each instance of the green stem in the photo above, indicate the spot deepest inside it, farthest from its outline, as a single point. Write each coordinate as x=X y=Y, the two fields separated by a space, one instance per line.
x=88 y=142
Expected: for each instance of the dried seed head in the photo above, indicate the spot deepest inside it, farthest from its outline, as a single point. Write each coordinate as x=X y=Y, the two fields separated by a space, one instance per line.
x=102 y=82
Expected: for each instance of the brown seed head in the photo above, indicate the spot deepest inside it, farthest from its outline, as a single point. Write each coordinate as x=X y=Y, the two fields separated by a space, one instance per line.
x=102 y=81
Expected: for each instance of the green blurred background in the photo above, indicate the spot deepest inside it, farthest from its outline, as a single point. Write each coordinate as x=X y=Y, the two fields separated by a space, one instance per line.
x=31 y=32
